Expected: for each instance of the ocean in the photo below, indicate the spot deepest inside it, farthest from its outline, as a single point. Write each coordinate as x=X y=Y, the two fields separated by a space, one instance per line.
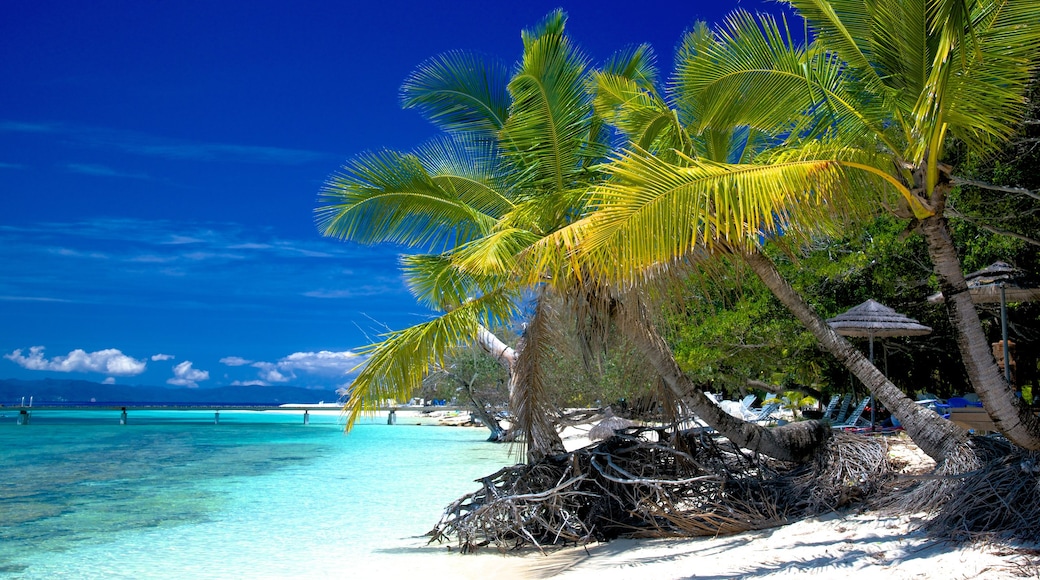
x=259 y=495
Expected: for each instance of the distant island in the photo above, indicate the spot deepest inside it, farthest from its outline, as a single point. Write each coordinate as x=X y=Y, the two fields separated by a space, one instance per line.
x=59 y=391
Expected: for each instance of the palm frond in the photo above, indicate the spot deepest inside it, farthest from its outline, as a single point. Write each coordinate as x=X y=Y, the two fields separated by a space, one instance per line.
x=549 y=118
x=637 y=64
x=460 y=92
x=396 y=366
x=440 y=284
x=986 y=89
x=472 y=171
x=747 y=73
x=651 y=212
x=390 y=197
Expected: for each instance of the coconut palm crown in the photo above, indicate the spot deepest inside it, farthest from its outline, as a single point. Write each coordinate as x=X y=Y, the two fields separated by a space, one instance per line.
x=519 y=151
x=866 y=109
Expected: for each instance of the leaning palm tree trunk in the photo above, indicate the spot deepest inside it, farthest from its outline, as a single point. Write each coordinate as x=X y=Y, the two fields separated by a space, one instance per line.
x=533 y=417
x=795 y=442
x=1010 y=414
x=935 y=436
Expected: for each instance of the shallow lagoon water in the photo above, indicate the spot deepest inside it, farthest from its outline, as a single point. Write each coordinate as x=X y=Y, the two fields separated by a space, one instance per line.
x=259 y=495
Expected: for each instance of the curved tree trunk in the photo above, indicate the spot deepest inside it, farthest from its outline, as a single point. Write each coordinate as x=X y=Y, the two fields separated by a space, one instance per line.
x=796 y=442
x=1010 y=414
x=532 y=416
x=935 y=436
x=498 y=434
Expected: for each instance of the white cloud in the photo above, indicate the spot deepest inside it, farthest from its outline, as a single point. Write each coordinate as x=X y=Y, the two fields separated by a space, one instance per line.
x=270 y=373
x=109 y=361
x=322 y=362
x=160 y=356
x=109 y=381
x=325 y=362
x=250 y=384
x=185 y=376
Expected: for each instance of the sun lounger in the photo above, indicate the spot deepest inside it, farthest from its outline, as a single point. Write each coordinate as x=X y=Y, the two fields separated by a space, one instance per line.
x=854 y=418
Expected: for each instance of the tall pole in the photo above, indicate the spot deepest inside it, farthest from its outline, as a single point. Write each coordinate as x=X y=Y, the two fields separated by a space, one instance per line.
x=1004 y=331
x=873 y=410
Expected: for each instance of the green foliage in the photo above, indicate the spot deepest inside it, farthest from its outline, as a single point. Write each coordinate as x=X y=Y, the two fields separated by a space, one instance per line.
x=793 y=401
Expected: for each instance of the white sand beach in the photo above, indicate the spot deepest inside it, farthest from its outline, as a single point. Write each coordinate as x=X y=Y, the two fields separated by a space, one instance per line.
x=850 y=545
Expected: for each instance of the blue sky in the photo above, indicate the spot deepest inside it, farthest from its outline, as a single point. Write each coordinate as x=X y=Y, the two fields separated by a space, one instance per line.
x=160 y=164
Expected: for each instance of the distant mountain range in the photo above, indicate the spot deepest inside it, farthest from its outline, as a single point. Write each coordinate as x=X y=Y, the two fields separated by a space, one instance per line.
x=66 y=391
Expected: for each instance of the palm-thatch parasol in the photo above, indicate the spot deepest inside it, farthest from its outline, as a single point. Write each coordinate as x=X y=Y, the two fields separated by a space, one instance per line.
x=608 y=425
x=1003 y=283
x=872 y=319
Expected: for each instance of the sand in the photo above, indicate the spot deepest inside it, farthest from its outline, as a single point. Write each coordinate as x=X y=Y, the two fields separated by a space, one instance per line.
x=838 y=545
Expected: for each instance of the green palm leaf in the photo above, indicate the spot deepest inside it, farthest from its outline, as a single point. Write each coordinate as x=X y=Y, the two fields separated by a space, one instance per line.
x=548 y=124
x=390 y=197
x=396 y=366
x=459 y=92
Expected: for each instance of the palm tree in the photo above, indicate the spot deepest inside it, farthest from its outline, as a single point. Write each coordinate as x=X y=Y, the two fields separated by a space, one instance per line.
x=913 y=75
x=721 y=171
x=517 y=160
x=486 y=207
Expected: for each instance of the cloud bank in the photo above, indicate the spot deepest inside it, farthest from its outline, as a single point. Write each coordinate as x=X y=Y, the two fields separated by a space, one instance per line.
x=110 y=361
x=186 y=376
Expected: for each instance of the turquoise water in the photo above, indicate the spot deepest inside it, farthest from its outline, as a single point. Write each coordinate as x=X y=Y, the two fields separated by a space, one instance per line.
x=172 y=495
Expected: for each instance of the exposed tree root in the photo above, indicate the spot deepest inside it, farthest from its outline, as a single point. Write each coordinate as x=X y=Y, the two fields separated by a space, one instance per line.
x=993 y=495
x=686 y=484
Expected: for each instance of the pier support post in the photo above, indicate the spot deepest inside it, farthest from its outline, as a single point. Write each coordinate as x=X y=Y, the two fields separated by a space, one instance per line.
x=216 y=417
x=306 y=417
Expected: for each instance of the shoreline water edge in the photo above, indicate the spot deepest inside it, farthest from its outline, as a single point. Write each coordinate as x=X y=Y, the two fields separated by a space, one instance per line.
x=263 y=496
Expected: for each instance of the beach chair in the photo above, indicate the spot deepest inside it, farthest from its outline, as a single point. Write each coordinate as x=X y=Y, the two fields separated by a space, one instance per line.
x=853 y=419
x=746 y=402
x=766 y=412
x=831 y=407
x=844 y=409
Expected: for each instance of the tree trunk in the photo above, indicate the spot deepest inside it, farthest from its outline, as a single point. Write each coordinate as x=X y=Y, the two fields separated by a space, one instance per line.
x=795 y=442
x=1012 y=415
x=498 y=434
x=935 y=436
x=529 y=412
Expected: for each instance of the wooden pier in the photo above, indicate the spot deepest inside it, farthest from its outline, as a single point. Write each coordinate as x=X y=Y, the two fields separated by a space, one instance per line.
x=25 y=413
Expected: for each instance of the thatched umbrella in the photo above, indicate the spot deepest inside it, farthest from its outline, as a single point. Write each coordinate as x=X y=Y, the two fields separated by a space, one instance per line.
x=1003 y=283
x=608 y=425
x=872 y=319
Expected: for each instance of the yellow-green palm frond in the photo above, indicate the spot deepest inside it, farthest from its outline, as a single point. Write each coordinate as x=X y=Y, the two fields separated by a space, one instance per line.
x=986 y=89
x=396 y=366
x=636 y=63
x=749 y=73
x=847 y=28
x=651 y=212
x=549 y=118
x=646 y=119
x=460 y=92
x=390 y=197
x=541 y=214
x=493 y=255
x=440 y=284
x=472 y=171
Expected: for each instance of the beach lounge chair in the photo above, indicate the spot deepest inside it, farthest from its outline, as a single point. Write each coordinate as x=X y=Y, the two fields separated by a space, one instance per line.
x=854 y=418
x=843 y=410
x=766 y=411
x=831 y=407
x=746 y=402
